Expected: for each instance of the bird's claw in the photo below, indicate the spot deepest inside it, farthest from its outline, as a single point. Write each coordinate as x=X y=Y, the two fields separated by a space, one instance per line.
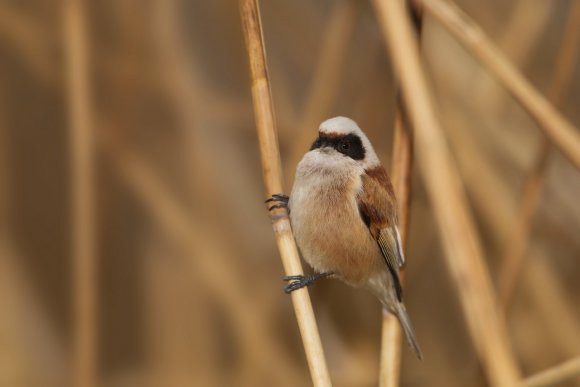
x=295 y=285
x=299 y=281
x=280 y=199
x=296 y=282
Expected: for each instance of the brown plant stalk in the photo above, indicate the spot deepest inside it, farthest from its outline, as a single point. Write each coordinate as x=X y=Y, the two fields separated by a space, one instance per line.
x=492 y=199
x=463 y=251
x=554 y=375
x=84 y=355
x=256 y=334
x=401 y=171
x=560 y=131
x=515 y=248
x=271 y=169
x=531 y=22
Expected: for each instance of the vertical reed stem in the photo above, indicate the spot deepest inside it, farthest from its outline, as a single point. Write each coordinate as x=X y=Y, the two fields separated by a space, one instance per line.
x=463 y=251
x=401 y=171
x=82 y=186
x=271 y=169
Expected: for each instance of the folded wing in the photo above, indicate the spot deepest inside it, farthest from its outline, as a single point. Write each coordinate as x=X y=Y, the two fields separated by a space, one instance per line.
x=377 y=207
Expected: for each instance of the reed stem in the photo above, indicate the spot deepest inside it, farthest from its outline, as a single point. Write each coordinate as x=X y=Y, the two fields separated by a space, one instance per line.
x=463 y=251
x=514 y=256
x=271 y=170
x=564 y=136
x=84 y=356
x=401 y=171
x=554 y=375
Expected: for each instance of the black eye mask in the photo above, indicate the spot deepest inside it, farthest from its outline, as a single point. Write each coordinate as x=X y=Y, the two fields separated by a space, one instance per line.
x=349 y=145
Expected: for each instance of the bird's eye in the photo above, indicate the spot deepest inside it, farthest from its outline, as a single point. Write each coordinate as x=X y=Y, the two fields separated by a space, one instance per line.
x=351 y=146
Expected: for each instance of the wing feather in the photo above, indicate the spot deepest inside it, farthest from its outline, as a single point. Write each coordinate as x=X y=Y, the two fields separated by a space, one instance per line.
x=388 y=246
x=377 y=207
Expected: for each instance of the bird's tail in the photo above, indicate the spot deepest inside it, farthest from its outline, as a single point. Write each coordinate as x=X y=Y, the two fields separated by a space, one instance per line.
x=408 y=328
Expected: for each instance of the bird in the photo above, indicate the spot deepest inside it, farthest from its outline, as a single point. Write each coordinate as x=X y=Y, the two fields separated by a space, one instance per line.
x=343 y=214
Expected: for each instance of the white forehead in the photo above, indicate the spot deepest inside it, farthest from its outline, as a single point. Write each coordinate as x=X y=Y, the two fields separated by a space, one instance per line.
x=344 y=126
x=341 y=125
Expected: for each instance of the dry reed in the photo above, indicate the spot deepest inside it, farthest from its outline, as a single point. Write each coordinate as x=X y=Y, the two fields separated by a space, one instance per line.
x=179 y=77
x=518 y=240
x=492 y=200
x=554 y=375
x=464 y=254
x=271 y=169
x=401 y=171
x=524 y=20
x=542 y=286
x=560 y=131
x=84 y=352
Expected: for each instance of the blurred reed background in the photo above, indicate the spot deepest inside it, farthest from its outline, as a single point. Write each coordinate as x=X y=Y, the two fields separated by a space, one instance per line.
x=135 y=249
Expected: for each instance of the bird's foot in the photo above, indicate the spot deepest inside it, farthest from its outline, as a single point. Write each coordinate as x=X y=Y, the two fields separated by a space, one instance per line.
x=281 y=201
x=296 y=282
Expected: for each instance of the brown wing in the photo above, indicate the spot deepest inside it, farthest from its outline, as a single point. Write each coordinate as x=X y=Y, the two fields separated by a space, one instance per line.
x=378 y=210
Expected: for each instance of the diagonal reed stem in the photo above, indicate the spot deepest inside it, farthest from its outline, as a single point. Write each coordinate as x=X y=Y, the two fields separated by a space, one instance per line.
x=560 y=131
x=82 y=185
x=554 y=375
x=514 y=254
x=463 y=251
x=271 y=169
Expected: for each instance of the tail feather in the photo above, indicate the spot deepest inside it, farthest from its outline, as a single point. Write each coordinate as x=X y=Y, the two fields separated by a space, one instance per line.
x=408 y=329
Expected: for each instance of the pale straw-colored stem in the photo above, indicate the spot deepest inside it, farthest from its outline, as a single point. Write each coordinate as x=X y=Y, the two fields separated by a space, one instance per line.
x=84 y=354
x=271 y=169
x=519 y=38
x=514 y=255
x=492 y=199
x=401 y=174
x=463 y=251
x=401 y=171
x=554 y=375
x=558 y=129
